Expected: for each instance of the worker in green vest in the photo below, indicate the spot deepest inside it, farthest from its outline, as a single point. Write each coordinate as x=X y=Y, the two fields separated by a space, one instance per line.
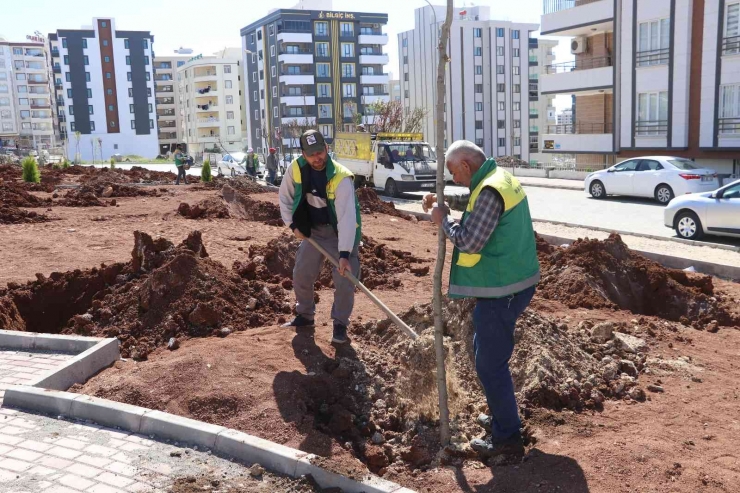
x=495 y=262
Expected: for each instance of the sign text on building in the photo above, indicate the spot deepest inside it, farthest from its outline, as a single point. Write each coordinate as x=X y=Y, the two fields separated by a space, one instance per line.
x=336 y=15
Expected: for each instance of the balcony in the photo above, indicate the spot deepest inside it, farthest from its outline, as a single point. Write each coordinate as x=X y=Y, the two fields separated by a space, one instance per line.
x=372 y=39
x=206 y=107
x=42 y=106
x=297 y=79
x=166 y=113
x=371 y=98
x=165 y=101
x=208 y=122
x=653 y=128
x=299 y=120
x=652 y=57
x=296 y=57
x=163 y=78
x=583 y=137
x=374 y=59
x=295 y=37
x=208 y=137
x=58 y=87
x=731 y=45
x=205 y=75
x=163 y=66
x=576 y=17
x=55 y=53
x=167 y=124
x=302 y=100
x=38 y=81
x=57 y=69
x=375 y=79
x=167 y=136
x=534 y=43
x=587 y=74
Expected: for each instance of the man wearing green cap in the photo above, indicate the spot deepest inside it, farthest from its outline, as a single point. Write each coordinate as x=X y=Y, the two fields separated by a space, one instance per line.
x=317 y=200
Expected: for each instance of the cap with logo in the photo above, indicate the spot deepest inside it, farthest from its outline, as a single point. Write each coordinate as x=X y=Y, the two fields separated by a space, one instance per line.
x=312 y=142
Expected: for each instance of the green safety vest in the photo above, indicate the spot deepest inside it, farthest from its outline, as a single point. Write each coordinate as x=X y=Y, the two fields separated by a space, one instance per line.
x=335 y=173
x=508 y=262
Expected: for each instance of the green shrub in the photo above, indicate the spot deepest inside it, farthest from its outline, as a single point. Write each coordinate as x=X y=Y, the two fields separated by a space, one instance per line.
x=31 y=170
x=112 y=163
x=56 y=166
x=205 y=172
x=65 y=163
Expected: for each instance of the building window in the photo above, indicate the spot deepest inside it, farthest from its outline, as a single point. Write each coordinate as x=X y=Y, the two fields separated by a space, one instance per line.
x=501 y=106
x=477 y=32
x=229 y=99
x=405 y=59
x=87 y=76
x=479 y=70
x=406 y=93
x=256 y=114
x=92 y=126
x=515 y=52
x=500 y=87
x=499 y=69
x=729 y=107
x=150 y=108
x=479 y=88
x=133 y=124
x=105 y=42
x=478 y=106
x=131 y=108
x=346 y=28
x=275 y=112
x=259 y=35
x=324 y=90
x=321 y=28
x=653 y=41
x=128 y=60
x=499 y=32
x=405 y=42
x=71 y=110
x=107 y=59
x=111 y=107
x=254 y=76
x=69 y=93
x=477 y=51
x=348 y=90
x=227 y=69
x=229 y=115
x=652 y=113
x=109 y=92
x=145 y=45
x=515 y=34
x=72 y=126
x=89 y=93
x=322 y=70
x=90 y=109
x=103 y=24
x=148 y=76
x=227 y=84
x=517 y=141
x=516 y=106
x=272 y=50
x=515 y=70
x=479 y=124
x=501 y=142
x=348 y=70
x=500 y=50
x=84 y=43
x=67 y=76
x=64 y=42
x=66 y=59
x=230 y=131
x=255 y=95
x=146 y=60
x=107 y=75
x=517 y=124
x=348 y=50
x=274 y=91
x=501 y=124
x=273 y=73
x=271 y=29
x=251 y=39
x=324 y=111
x=731 y=42
x=322 y=50
x=85 y=60
x=517 y=88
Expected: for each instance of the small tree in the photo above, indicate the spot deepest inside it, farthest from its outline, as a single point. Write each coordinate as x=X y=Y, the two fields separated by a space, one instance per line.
x=100 y=148
x=65 y=162
x=112 y=163
x=205 y=172
x=78 y=136
x=390 y=116
x=31 y=170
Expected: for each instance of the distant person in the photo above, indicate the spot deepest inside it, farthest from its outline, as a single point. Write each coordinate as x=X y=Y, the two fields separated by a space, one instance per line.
x=180 y=163
x=317 y=201
x=271 y=165
x=495 y=263
x=251 y=163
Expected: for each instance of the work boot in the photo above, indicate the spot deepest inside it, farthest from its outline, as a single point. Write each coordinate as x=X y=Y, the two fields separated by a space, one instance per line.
x=340 y=334
x=488 y=447
x=484 y=421
x=300 y=322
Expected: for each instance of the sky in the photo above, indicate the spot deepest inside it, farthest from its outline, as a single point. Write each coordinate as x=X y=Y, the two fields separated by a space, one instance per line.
x=210 y=25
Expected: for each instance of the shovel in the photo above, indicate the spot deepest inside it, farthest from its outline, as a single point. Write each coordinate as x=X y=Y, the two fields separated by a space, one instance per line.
x=408 y=330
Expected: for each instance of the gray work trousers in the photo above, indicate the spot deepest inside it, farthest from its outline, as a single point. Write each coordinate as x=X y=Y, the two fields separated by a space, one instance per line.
x=308 y=264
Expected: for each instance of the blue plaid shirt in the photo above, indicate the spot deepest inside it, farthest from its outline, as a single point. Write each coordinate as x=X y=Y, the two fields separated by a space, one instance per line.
x=475 y=233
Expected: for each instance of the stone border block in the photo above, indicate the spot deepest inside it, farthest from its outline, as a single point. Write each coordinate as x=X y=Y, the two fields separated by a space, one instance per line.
x=186 y=430
x=326 y=479
x=41 y=400
x=251 y=449
x=12 y=339
x=83 y=366
x=108 y=413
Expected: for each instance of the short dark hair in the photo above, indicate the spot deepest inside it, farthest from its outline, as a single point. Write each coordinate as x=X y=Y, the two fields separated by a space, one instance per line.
x=178 y=146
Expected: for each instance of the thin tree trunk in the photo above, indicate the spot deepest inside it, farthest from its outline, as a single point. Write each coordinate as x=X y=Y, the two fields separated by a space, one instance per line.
x=444 y=411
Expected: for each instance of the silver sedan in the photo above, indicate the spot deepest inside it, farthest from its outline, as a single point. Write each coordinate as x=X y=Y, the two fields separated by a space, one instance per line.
x=710 y=213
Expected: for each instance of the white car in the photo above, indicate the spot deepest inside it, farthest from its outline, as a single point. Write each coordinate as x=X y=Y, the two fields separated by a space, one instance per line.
x=229 y=164
x=711 y=213
x=660 y=177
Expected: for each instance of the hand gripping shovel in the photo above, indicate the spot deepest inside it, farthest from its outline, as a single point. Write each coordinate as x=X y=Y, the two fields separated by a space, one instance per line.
x=408 y=330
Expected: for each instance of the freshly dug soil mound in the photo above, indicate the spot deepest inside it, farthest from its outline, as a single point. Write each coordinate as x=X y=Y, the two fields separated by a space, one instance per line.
x=80 y=197
x=242 y=206
x=107 y=190
x=212 y=207
x=12 y=215
x=137 y=174
x=241 y=183
x=163 y=292
x=379 y=265
x=10 y=172
x=14 y=194
x=606 y=274
x=370 y=203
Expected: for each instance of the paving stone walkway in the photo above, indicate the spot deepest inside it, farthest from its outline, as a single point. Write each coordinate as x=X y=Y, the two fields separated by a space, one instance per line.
x=53 y=455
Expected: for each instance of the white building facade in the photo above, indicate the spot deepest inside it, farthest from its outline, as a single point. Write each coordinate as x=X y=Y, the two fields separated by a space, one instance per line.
x=210 y=89
x=650 y=77
x=167 y=99
x=541 y=54
x=487 y=100
x=105 y=78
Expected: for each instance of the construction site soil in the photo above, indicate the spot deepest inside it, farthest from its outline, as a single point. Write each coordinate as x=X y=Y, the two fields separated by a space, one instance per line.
x=625 y=372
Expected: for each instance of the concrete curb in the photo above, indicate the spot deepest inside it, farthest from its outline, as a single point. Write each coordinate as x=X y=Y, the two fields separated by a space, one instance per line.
x=48 y=395
x=712 y=269
x=223 y=441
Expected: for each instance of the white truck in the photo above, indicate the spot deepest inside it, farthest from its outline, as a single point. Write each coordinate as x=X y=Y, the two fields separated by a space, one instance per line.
x=392 y=162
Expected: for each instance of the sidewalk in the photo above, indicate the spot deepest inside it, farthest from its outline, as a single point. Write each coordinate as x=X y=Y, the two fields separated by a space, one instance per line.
x=528 y=181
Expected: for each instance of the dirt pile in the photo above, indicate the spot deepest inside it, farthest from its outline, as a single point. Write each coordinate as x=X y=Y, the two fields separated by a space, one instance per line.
x=241 y=183
x=137 y=174
x=13 y=215
x=14 y=194
x=370 y=203
x=379 y=264
x=241 y=205
x=606 y=274
x=210 y=208
x=80 y=197
x=10 y=172
x=164 y=291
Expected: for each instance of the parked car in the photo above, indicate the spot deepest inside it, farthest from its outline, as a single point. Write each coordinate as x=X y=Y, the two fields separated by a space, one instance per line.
x=711 y=213
x=660 y=177
x=229 y=164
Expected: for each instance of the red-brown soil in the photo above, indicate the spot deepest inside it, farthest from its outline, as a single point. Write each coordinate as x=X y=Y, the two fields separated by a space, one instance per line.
x=297 y=389
x=370 y=203
x=13 y=215
x=209 y=208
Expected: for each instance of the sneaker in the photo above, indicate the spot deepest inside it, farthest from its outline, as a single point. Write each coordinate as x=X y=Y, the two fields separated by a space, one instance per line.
x=300 y=322
x=512 y=446
x=340 y=334
x=484 y=421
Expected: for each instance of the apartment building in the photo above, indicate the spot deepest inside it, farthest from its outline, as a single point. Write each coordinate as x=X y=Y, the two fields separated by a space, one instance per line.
x=312 y=69
x=650 y=77
x=395 y=86
x=167 y=98
x=487 y=98
x=565 y=117
x=540 y=55
x=105 y=90
x=26 y=115
x=210 y=97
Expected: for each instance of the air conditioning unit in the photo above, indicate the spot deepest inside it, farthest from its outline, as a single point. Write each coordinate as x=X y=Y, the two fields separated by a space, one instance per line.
x=578 y=45
x=376 y=26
